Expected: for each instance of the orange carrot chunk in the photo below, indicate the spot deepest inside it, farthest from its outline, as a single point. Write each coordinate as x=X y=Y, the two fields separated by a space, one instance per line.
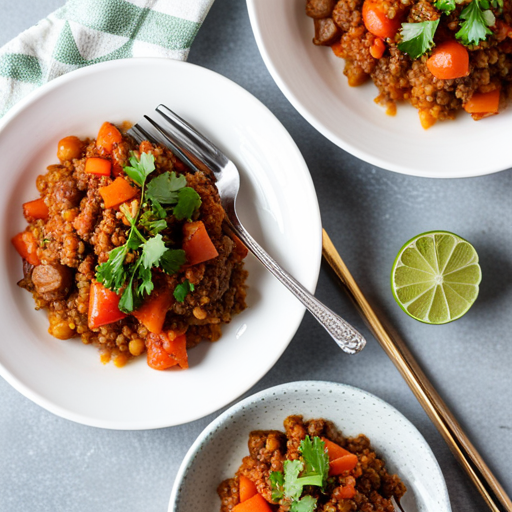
x=342 y=464
x=255 y=504
x=483 y=103
x=335 y=451
x=347 y=492
x=166 y=350
x=247 y=488
x=378 y=48
x=108 y=136
x=377 y=22
x=103 y=306
x=449 y=60
x=197 y=244
x=117 y=192
x=26 y=245
x=152 y=312
x=98 y=166
x=36 y=209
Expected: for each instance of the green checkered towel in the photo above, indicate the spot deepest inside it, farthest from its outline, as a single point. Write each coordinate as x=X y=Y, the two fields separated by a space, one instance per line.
x=85 y=32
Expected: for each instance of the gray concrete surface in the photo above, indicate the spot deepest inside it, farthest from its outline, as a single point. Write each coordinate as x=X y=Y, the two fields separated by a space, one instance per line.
x=51 y=464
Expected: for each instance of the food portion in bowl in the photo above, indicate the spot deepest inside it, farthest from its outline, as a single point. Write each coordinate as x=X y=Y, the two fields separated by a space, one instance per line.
x=125 y=248
x=310 y=467
x=442 y=57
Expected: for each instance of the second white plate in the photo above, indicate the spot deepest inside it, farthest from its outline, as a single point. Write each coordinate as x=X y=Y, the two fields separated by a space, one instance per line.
x=312 y=79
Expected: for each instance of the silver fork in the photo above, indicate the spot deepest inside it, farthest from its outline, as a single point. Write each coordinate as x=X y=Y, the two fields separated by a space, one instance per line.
x=195 y=150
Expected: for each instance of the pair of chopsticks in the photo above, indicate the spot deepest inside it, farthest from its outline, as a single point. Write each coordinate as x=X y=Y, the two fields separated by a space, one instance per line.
x=486 y=483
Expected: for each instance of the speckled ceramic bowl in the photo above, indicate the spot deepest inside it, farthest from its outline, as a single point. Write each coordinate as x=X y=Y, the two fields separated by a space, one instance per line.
x=218 y=451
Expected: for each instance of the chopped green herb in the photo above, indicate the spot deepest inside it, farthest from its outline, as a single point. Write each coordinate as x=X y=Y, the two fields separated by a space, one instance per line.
x=164 y=188
x=151 y=223
x=306 y=504
x=188 y=202
x=140 y=169
x=477 y=20
x=417 y=38
x=182 y=290
x=311 y=469
x=447 y=6
x=152 y=251
x=172 y=260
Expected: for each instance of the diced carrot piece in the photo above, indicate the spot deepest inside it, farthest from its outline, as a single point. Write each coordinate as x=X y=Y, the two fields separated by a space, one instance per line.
x=483 y=102
x=98 y=166
x=334 y=450
x=240 y=251
x=108 y=136
x=342 y=464
x=35 y=209
x=449 y=60
x=26 y=245
x=117 y=192
x=103 y=306
x=378 y=48
x=197 y=244
x=247 y=488
x=377 y=22
x=255 y=504
x=347 y=492
x=153 y=310
x=165 y=350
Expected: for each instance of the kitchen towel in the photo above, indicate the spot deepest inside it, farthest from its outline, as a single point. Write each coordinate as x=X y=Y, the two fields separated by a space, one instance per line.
x=85 y=32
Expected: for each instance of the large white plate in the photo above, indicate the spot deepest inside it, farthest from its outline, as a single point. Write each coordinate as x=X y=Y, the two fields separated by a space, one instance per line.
x=278 y=205
x=312 y=79
x=218 y=451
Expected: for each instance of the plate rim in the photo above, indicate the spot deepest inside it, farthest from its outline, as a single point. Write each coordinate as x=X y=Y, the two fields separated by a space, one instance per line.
x=93 y=420
x=312 y=119
x=304 y=384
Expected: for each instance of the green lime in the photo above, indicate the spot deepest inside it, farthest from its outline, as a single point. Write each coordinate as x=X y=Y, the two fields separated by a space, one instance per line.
x=435 y=277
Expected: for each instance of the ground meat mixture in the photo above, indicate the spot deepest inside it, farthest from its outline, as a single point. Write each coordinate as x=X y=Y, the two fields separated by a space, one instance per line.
x=368 y=487
x=71 y=232
x=342 y=25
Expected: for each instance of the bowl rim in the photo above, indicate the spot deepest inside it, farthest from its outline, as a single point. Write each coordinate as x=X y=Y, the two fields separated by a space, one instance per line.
x=314 y=212
x=251 y=399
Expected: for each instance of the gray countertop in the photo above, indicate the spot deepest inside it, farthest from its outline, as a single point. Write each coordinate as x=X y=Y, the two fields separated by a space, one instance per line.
x=51 y=464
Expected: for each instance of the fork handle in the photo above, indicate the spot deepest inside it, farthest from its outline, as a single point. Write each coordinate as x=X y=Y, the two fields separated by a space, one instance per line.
x=347 y=338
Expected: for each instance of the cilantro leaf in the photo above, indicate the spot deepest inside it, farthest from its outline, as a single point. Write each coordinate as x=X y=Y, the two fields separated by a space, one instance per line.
x=276 y=485
x=417 y=38
x=146 y=281
x=164 y=188
x=306 y=504
x=292 y=488
x=111 y=274
x=130 y=299
x=140 y=169
x=172 y=260
x=188 y=202
x=447 y=6
x=475 y=28
x=316 y=461
x=182 y=290
x=152 y=251
x=151 y=223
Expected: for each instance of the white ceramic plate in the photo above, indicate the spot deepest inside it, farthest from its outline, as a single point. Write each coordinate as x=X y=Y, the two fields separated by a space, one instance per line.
x=312 y=79
x=277 y=204
x=218 y=451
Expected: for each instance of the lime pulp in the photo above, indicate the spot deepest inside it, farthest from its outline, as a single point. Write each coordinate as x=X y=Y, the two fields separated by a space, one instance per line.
x=435 y=277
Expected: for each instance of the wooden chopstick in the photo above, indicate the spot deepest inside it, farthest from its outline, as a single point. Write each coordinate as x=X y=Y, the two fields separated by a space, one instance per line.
x=486 y=483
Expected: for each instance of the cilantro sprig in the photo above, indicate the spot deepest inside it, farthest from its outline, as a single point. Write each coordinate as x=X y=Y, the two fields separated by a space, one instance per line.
x=417 y=38
x=311 y=469
x=135 y=279
x=477 y=20
x=182 y=290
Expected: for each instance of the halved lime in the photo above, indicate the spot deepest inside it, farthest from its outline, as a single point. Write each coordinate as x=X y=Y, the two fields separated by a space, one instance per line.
x=435 y=277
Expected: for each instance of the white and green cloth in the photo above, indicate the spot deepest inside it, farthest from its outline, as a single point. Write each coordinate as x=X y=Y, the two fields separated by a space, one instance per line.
x=85 y=32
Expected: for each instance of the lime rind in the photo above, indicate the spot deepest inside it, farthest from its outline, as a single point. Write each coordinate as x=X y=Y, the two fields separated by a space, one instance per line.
x=435 y=277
